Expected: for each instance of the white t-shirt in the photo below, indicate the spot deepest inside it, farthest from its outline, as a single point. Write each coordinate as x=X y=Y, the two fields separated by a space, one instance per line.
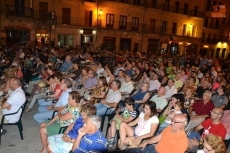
x=144 y=127
x=170 y=92
x=113 y=96
x=154 y=85
x=16 y=99
x=161 y=102
x=127 y=87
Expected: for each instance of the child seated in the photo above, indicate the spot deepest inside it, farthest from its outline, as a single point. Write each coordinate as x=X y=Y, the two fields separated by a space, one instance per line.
x=124 y=114
x=170 y=114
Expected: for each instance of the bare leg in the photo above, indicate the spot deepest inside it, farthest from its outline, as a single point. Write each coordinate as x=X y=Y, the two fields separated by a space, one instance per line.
x=125 y=130
x=113 y=129
x=43 y=137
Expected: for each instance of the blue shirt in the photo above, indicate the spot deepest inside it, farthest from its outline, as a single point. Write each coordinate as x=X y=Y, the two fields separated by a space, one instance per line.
x=65 y=66
x=63 y=99
x=94 y=143
x=78 y=124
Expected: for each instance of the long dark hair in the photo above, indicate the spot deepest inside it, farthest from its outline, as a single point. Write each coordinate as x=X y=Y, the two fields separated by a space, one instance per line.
x=104 y=81
x=152 y=107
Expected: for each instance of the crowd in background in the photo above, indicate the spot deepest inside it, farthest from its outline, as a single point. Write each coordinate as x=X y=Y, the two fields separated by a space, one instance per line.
x=148 y=97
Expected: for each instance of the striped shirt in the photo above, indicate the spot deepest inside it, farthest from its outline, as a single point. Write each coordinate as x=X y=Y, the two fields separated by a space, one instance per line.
x=94 y=143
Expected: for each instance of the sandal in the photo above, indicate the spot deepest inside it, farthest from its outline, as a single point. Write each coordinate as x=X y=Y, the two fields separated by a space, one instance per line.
x=3 y=132
x=28 y=110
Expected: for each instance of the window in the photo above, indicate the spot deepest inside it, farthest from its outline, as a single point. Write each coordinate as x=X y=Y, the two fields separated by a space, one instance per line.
x=167 y=4
x=195 y=10
x=206 y=21
x=123 y=22
x=217 y=24
x=217 y=52
x=203 y=37
x=164 y=27
x=211 y=25
x=135 y=23
x=154 y=3
x=177 y=6
x=185 y=8
x=109 y=21
x=208 y=40
x=152 y=25
x=214 y=3
x=208 y=5
x=66 y=13
x=174 y=28
x=19 y=7
x=194 y=31
x=184 y=31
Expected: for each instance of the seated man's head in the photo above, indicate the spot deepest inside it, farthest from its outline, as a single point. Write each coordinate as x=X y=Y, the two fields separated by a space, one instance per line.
x=161 y=91
x=129 y=103
x=121 y=73
x=179 y=122
x=68 y=58
x=75 y=65
x=87 y=109
x=128 y=78
x=170 y=82
x=66 y=84
x=116 y=85
x=91 y=74
x=92 y=124
x=205 y=84
x=207 y=95
x=14 y=83
x=216 y=114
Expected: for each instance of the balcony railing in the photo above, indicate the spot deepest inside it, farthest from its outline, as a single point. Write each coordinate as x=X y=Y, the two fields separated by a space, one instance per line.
x=223 y=38
x=12 y=10
x=163 y=7
x=209 y=40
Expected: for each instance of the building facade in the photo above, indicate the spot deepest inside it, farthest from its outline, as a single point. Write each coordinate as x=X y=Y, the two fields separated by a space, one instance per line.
x=216 y=32
x=175 y=26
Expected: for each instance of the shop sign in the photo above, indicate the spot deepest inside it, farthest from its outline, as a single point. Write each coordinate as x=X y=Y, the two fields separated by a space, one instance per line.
x=19 y=24
x=219 y=11
x=87 y=31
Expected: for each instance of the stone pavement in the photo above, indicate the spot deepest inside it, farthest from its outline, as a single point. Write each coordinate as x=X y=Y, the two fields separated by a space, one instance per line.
x=11 y=142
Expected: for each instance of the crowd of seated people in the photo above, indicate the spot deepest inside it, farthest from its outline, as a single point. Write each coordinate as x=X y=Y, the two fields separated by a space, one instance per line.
x=160 y=103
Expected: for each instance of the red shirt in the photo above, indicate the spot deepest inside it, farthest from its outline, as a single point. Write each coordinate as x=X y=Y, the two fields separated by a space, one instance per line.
x=215 y=129
x=56 y=88
x=201 y=109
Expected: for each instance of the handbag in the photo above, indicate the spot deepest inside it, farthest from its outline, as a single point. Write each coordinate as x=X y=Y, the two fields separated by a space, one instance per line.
x=162 y=119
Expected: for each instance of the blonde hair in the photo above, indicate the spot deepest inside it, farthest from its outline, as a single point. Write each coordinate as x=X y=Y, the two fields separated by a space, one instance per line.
x=216 y=143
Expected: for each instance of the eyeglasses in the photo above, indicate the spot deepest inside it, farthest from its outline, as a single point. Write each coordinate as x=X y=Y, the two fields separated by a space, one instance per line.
x=173 y=122
x=215 y=112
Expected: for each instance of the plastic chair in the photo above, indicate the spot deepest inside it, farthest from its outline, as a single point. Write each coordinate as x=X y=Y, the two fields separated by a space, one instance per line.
x=18 y=123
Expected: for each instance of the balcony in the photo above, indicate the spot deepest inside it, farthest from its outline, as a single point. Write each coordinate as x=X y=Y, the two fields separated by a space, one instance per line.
x=224 y=38
x=12 y=10
x=163 y=7
x=209 y=40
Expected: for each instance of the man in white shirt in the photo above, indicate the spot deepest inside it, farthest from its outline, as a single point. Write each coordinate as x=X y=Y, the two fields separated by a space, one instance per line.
x=170 y=89
x=127 y=86
x=178 y=83
x=15 y=100
x=160 y=99
x=46 y=111
x=214 y=73
x=154 y=83
x=111 y=100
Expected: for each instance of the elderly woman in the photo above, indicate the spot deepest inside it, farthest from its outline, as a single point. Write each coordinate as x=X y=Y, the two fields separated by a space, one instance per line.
x=62 y=143
x=142 y=95
x=68 y=115
x=213 y=144
x=133 y=137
